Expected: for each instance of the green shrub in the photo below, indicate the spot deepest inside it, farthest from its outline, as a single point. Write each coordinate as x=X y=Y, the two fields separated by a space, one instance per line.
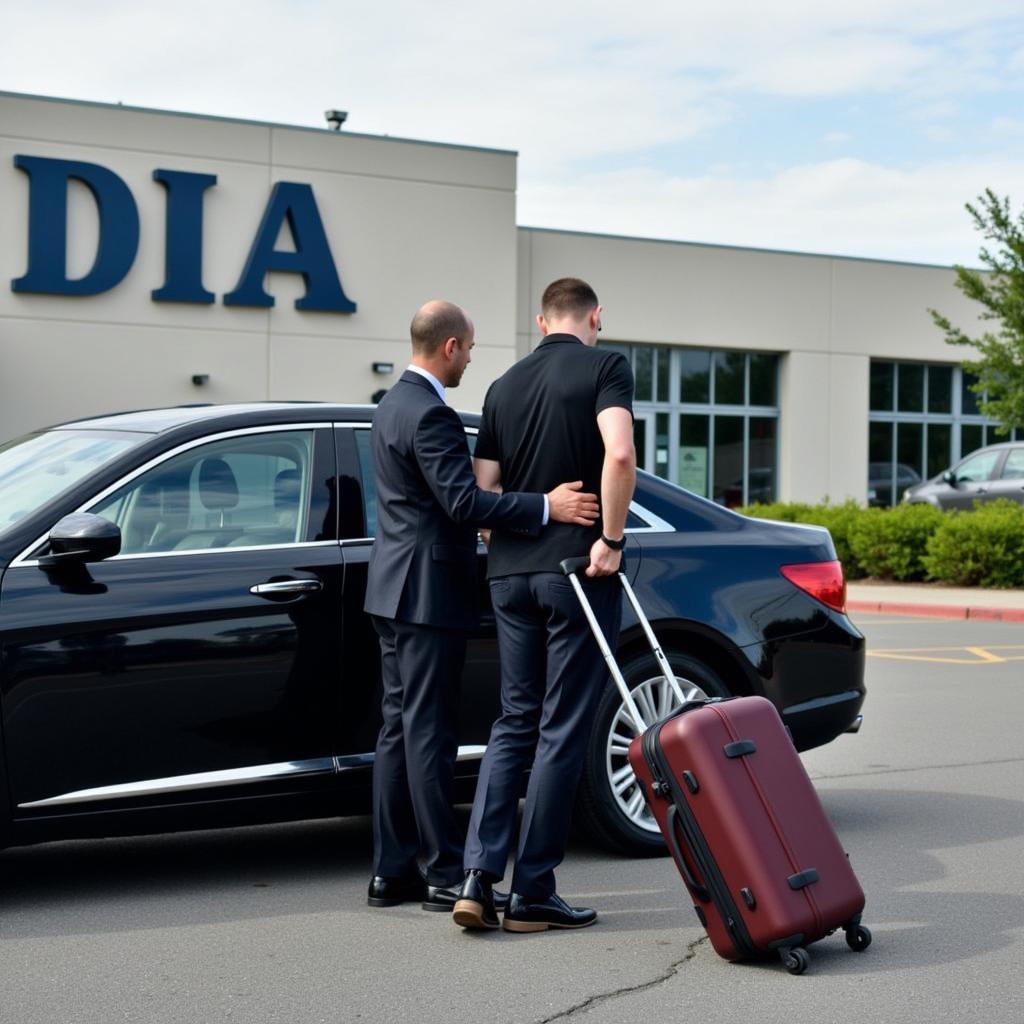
x=984 y=547
x=891 y=543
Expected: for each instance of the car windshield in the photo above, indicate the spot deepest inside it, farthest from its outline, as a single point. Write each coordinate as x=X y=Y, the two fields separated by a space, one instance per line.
x=36 y=468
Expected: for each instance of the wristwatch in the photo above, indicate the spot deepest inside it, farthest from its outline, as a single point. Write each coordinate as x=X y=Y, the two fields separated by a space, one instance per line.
x=615 y=545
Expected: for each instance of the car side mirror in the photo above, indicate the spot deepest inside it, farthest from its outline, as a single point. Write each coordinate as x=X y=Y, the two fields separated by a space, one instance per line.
x=950 y=477
x=79 y=538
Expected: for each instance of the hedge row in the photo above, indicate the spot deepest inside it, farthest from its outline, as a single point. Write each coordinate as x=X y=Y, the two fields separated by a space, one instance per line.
x=984 y=547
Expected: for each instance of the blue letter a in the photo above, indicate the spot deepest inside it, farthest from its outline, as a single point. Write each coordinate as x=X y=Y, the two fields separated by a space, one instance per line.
x=48 y=227
x=312 y=257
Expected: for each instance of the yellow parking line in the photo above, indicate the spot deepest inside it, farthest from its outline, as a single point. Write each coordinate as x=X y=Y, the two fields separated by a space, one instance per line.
x=944 y=655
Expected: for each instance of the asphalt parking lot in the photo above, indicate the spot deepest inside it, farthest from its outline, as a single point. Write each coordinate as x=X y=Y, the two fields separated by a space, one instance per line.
x=270 y=924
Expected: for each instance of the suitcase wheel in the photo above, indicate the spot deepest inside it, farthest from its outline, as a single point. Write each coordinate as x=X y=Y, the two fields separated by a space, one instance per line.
x=858 y=938
x=795 y=960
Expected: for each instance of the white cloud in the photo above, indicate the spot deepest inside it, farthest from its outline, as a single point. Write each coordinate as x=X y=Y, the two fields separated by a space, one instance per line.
x=841 y=206
x=568 y=84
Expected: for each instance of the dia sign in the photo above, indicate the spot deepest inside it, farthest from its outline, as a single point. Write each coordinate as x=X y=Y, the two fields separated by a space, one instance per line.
x=183 y=264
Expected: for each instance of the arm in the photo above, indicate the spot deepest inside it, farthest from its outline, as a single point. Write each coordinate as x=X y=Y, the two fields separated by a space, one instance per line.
x=618 y=479
x=567 y=503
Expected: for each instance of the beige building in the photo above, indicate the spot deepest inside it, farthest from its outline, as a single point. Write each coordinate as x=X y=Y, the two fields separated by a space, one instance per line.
x=760 y=374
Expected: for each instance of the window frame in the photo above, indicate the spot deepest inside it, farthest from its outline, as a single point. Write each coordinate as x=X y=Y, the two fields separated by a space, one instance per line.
x=29 y=555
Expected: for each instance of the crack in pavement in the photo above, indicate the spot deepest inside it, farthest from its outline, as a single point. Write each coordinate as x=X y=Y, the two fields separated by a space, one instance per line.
x=603 y=997
x=915 y=768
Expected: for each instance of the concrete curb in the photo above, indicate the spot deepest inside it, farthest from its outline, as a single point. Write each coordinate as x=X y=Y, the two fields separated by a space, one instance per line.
x=938 y=611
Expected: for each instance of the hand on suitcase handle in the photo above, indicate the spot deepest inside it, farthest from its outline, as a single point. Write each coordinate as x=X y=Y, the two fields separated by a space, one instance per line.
x=571 y=565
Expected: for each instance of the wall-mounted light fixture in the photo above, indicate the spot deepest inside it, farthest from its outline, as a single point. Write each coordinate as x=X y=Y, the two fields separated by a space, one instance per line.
x=200 y=379
x=384 y=368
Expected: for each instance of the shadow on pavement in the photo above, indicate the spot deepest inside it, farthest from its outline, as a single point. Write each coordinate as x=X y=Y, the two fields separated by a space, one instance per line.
x=895 y=839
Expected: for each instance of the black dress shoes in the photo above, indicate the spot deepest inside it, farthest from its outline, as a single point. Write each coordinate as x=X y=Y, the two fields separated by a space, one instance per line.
x=475 y=907
x=525 y=915
x=389 y=892
x=441 y=897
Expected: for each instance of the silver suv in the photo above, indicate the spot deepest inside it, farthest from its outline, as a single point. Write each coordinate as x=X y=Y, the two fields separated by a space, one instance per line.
x=985 y=475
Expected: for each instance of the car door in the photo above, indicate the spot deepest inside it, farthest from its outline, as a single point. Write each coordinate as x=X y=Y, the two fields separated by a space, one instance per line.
x=1010 y=481
x=972 y=480
x=480 y=702
x=202 y=660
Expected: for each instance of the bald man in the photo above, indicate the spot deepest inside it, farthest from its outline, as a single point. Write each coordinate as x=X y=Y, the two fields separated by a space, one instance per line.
x=422 y=594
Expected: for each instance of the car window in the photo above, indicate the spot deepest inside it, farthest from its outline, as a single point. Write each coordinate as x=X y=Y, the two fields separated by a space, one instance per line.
x=1013 y=468
x=366 y=470
x=250 y=490
x=38 y=467
x=369 y=487
x=978 y=467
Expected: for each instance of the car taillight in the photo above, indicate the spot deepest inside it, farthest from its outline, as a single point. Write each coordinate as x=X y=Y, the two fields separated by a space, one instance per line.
x=824 y=581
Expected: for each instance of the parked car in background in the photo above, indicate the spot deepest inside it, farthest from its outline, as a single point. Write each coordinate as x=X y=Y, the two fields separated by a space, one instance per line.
x=880 y=482
x=183 y=643
x=985 y=475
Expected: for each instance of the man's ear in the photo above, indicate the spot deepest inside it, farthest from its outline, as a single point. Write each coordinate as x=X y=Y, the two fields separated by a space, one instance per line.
x=450 y=345
x=542 y=324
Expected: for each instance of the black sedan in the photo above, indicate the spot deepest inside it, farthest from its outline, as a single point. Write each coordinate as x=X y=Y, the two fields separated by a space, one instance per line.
x=182 y=641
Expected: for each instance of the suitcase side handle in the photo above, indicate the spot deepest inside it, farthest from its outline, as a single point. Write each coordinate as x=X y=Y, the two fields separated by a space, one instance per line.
x=671 y=830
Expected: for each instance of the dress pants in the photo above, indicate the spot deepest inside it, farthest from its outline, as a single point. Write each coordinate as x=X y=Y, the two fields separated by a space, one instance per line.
x=552 y=677
x=421 y=670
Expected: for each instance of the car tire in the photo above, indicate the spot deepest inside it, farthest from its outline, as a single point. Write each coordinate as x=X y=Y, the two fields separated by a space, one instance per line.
x=620 y=822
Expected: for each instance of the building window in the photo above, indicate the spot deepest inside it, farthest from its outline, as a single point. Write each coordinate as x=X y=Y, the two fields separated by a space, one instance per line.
x=707 y=419
x=922 y=419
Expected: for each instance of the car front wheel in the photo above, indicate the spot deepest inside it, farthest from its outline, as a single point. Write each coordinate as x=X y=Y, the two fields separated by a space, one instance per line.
x=611 y=805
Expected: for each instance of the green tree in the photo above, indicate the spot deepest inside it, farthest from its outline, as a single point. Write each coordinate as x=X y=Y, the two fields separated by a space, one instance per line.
x=1000 y=363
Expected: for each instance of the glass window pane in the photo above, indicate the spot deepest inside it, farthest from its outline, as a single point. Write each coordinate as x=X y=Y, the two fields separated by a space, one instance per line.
x=1013 y=468
x=661 y=444
x=694 y=372
x=909 y=456
x=761 y=460
x=643 y=370
x=968 y=399
x=763 y=375
x=881 y=386
x=977 y=468
x=663 y=382
x=940 y=455
x=692 y=467
x=640 y=442
x=940 y=388
x=880 y=464
x=729 y=371
x=248 y=490
x=36 y=468
x=910 y=387
x=972 y=437
x=728 y=488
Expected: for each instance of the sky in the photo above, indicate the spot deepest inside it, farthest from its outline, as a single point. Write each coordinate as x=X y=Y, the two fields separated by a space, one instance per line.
x=833 y=126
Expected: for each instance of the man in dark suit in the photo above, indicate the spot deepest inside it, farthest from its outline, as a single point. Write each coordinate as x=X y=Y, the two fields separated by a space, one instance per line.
x=422 y=592
x=566 y=409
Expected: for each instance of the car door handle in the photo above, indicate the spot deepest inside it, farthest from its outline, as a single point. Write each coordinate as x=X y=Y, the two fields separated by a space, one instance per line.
x=285 y=587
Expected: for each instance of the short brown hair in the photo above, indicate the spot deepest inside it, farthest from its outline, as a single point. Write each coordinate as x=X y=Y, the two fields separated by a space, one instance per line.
x=436 y=322
x=568 y=296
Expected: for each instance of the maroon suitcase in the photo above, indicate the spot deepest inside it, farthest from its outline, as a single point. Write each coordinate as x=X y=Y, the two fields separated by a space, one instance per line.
x=762 y=863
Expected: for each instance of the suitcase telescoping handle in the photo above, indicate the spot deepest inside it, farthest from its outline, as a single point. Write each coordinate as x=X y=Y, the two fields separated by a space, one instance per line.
x=571 y=566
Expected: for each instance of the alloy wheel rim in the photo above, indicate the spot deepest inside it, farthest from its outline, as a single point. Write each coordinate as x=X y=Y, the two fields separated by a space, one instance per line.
x=655 y=698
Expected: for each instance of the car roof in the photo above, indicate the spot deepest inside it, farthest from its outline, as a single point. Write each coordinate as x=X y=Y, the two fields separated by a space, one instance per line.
x=157 y=421
x=993 y=448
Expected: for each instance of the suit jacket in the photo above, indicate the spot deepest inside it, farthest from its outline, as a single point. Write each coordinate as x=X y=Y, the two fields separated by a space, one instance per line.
x=423 y=568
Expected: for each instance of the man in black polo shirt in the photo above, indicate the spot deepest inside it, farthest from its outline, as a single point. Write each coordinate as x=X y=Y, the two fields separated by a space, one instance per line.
x=563 y=412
